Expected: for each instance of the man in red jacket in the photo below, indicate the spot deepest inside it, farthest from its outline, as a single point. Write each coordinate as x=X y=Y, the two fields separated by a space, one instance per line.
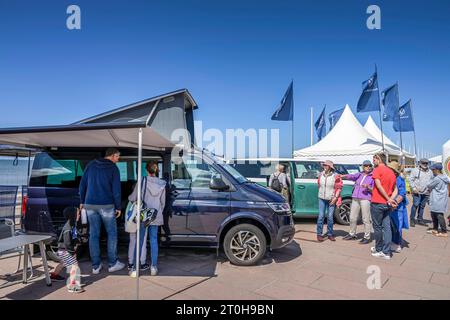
x=382 y=202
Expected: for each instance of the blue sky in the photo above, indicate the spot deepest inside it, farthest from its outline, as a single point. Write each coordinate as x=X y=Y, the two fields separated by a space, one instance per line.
x=236 y=57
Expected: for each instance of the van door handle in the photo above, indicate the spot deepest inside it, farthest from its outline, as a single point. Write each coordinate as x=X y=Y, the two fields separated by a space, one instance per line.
x=301 y=187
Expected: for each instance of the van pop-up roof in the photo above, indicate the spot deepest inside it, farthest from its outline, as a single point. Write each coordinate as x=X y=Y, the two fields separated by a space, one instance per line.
x=164 y=113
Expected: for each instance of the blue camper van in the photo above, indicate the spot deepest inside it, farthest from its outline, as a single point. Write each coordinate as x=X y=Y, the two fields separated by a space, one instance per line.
x=209 y=203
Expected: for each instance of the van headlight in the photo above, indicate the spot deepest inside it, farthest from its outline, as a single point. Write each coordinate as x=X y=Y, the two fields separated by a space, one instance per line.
x=279 y=207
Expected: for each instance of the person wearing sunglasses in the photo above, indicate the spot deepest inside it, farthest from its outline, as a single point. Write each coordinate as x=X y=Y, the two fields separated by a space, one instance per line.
x=361 y=197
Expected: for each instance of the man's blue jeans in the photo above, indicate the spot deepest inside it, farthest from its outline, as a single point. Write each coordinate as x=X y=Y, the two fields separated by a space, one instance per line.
x=381 y=222
x=325 y=209
x=419 y=202
x=153 y=235
x=95 y=218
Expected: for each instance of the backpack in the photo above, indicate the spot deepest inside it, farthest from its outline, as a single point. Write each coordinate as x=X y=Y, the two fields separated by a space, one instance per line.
x=276 y=184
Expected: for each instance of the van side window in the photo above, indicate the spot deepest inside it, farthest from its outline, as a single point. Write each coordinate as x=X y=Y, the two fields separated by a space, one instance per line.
x=192 y=172
x=53 y=171
x=307 y=170
x=252 y=169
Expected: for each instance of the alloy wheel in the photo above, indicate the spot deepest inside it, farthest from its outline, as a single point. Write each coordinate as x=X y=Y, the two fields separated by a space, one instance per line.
x=344 y=212
x=245 y=245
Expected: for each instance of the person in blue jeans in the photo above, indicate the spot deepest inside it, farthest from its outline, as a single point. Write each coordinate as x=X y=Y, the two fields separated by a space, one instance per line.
x=330 y=186
x=399 y=216
x=419 y=179
x=382 y=203
x=100 y=196
x=154 y=197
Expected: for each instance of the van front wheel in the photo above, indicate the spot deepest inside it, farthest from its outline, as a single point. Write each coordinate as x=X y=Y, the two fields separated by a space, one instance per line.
x=245 y=244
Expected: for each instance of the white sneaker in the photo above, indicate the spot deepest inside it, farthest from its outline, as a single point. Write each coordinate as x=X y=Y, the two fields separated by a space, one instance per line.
x=396 y=248
x=117 y=266
x=97 y=270
x=373 y=250
x=133 y=273
x=377 y=254
x=381 y=255
x=153 y=271
x=386 y=256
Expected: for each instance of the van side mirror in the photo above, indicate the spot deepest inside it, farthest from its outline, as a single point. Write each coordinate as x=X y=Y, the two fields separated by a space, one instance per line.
x=218 y=184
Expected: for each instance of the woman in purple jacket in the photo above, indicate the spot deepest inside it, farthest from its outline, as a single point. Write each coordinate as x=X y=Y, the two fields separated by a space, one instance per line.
x=362 y=194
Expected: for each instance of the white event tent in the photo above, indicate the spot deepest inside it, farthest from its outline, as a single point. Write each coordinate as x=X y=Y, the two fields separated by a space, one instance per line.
x=347 y=143
x=391 y=147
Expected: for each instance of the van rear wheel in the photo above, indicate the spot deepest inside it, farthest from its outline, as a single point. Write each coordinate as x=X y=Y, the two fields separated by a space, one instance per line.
x=245 y=244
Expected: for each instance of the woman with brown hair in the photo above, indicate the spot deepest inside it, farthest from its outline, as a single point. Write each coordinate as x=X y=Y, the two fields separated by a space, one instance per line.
x=154 y=197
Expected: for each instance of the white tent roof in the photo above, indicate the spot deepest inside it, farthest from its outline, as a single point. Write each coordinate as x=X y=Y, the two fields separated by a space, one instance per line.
x=373 y=129
x=86 y=135
x=348 y=143
x=436 y=159
x=391 y=147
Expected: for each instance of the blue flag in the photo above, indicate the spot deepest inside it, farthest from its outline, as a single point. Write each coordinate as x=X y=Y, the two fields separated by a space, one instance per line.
x=321 y=125
x=403 y=121
x=334 y=117
x=369 y=99
x=390 y=102
x=285 y=111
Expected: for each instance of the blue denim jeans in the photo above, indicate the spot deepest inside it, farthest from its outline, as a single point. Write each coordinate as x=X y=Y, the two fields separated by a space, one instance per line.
x=325 y=209
x=95 y=218
x=396 y=230
x=153 y=235
x=419 y=202
x=381 y=222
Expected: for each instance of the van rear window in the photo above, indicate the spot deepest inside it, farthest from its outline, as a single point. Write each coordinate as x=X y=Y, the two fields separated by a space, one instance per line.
x=58 y=171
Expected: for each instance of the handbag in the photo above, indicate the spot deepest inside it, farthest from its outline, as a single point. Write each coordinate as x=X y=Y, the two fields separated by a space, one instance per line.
x=130 y=218
x=147 y=215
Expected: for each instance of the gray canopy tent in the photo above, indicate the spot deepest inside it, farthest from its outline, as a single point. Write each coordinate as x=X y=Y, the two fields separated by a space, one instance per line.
x=132 y=135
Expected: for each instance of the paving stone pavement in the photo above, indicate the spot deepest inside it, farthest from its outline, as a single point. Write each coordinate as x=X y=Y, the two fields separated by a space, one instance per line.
x=305 y=269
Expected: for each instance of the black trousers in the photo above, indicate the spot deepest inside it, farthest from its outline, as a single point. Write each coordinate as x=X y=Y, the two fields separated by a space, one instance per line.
x=438 y=221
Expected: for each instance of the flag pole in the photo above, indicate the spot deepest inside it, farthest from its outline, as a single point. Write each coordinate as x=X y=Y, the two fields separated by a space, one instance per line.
x=414 y=131
x=312 y=130
x=401 y=136
x=401 y=139
x=379 y=111
x=292 y=122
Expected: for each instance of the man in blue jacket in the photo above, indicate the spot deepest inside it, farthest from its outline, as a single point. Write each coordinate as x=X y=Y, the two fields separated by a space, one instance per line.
x=101 y=198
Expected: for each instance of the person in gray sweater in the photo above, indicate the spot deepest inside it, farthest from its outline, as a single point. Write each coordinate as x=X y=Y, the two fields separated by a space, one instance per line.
x=153 y=196
x=438 y=188
x=419 y=179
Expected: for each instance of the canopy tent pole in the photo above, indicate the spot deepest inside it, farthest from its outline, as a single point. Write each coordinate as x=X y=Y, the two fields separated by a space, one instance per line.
x=29 y=164
x=138 y=215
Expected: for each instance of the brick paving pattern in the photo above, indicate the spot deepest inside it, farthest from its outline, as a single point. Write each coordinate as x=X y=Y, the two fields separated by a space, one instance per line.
x=303 y=270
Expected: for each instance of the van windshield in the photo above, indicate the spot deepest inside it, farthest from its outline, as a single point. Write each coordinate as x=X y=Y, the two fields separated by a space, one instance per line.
x=239 y=177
